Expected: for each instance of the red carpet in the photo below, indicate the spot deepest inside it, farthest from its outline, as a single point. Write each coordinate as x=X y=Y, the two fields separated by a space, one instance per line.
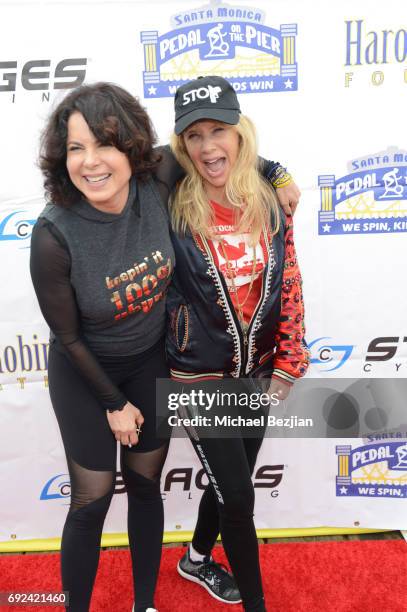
x=357 y=576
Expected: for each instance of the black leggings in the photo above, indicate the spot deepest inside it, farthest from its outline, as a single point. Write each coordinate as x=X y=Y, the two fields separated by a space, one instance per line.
x=90 y=449
x=228 y=506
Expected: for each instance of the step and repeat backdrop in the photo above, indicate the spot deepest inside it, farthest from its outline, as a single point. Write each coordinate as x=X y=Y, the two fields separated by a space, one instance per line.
x=326 y=84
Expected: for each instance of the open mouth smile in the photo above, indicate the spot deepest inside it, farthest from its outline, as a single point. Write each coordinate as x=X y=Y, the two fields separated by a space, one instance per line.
x=97 y=179
x=216 y=166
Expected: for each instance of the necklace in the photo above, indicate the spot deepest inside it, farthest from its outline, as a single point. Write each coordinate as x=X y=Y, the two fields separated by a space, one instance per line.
x=239 y=304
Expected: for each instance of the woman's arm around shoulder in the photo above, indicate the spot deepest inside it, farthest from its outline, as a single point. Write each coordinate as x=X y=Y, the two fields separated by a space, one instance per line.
x=287 y=191
x=168 y=172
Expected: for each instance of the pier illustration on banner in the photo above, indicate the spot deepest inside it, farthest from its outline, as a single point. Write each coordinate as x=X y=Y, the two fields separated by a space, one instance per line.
x=374 y=470
x=371 y=198
x=233 y=42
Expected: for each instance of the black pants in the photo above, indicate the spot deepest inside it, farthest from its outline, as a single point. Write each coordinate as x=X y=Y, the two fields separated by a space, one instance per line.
x=227 y=504
x=90 y=449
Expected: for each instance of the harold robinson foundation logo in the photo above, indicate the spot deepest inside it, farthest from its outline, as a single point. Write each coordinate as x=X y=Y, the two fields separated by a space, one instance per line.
x=230 y=41
x=370 y=198
x=374 y=470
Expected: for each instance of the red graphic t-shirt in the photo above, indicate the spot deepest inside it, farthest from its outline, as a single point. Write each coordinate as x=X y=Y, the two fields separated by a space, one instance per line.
x=237 y=260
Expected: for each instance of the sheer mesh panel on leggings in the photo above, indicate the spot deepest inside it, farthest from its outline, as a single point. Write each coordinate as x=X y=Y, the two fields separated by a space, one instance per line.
x=88 y=485
x=148 y=464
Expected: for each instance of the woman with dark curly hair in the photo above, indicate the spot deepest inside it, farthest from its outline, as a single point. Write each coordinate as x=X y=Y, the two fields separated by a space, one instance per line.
x=101 y=261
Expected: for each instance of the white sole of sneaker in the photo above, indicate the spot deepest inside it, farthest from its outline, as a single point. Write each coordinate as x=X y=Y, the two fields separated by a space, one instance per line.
x=204 y=585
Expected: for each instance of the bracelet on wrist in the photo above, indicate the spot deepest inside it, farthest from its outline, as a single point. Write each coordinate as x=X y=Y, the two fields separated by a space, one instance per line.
x=275 y=173
x=283 y=180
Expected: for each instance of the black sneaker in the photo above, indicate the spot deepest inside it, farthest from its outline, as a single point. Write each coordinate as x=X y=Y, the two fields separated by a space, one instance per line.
x=213 y=576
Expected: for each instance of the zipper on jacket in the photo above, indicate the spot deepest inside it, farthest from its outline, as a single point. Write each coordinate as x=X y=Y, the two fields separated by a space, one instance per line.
x=244 y=335
x=247 y=333
x=268 y=270
x=245 y=348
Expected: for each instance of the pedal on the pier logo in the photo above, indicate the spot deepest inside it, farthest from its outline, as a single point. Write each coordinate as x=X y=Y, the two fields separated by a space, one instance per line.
x=223 y=39
x=374 y=470
x=370 y=198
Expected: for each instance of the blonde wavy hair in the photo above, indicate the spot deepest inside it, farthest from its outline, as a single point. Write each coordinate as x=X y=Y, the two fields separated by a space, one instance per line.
x=245 y=189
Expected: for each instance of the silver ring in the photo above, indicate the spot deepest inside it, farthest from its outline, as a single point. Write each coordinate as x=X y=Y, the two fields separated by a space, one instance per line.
x=130 y=445
x=138 y=430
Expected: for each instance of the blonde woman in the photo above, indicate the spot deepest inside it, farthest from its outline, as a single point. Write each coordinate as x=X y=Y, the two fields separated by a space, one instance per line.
x=235 y=312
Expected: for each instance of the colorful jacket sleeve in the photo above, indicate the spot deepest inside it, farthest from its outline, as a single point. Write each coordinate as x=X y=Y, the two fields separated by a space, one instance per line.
x=291 y=358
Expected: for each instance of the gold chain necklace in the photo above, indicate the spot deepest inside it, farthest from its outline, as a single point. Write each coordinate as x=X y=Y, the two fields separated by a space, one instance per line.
x=239 y=304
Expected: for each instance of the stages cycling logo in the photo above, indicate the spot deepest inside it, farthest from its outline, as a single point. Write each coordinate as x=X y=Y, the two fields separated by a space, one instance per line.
x=183 y=478
x=186 y=479
x=329 y=356
x=385 y=355
x=57 y=487
x=370 y=198
x=17 y=226
x=374 y=470
x=232 y=42
x=40 y=75
x=389 y=353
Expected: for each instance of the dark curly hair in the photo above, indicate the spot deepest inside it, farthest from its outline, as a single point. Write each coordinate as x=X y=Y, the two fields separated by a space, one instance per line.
x=115 y=117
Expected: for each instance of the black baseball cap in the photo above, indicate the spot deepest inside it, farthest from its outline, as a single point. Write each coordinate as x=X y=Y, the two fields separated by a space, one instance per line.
x=210 y=97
